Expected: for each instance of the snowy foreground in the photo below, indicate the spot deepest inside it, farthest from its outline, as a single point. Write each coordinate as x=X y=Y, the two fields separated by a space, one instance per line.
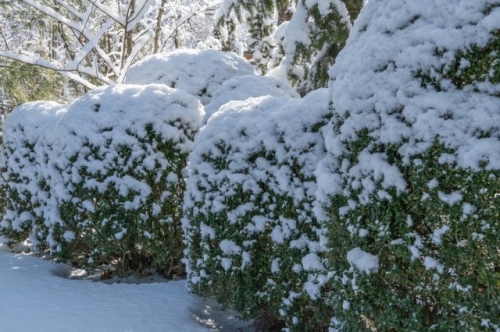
x=39 y=295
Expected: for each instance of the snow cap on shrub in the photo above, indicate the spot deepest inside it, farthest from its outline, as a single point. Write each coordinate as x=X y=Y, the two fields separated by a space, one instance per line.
x=198 y=72
x=28 y=122
x=117 y=111
x=247 y=86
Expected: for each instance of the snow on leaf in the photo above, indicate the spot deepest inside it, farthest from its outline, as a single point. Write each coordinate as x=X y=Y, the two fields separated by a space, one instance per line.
x=363 y=260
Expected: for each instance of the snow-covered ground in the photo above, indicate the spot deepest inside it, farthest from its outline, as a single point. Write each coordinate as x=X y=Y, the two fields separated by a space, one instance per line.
x=39 y=295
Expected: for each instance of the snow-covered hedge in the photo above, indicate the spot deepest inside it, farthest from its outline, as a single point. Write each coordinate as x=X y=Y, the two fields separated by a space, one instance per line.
x=412 y=173
x=25 y=189
x=252 y=239
x=113 y=168
x=198 y=72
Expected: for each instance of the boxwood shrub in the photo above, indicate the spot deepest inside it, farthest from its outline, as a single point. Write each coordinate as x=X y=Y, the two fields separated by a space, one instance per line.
x=414 y=171
x=122 y=163
x=252 y=239
x=111 y=172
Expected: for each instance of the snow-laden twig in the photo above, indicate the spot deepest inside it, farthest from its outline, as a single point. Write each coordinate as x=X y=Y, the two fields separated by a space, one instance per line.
x=109 y=12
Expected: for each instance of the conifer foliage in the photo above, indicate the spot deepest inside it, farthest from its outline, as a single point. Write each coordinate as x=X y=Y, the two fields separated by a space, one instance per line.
x=302 y=36
x=314 y=37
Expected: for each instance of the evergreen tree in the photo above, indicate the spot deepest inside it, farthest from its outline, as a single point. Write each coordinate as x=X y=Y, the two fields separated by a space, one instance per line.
x=261 y=17
x=21 y=83
x=304 y=36
x=315 y=36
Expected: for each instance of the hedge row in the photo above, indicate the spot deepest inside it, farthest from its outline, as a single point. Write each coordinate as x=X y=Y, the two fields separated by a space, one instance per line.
x=374 y=206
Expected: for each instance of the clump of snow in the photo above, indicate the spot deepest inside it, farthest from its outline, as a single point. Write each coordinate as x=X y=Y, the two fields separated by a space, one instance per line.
x=432 y=263
x=311 y=262
x=198 y=72
x=363 y=260
x=452 y=198
x=438 y=234
x=229 y=247
x=244 y=87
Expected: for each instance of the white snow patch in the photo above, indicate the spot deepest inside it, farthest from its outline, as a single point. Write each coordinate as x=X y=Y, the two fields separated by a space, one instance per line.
x=229 y=247
x=312 y=262
x=363 y=260
x=432 y=263
x=438 y=234
x=452 y=198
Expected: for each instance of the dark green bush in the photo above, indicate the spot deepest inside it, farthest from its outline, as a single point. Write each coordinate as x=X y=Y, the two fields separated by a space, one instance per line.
x=123 y=174
x=438 y=261
x=253 y=242
x=103 y=184
x=413 y=207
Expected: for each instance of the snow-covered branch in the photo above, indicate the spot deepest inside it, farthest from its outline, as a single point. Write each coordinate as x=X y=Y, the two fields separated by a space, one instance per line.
x=37 y=60
x=95 y=42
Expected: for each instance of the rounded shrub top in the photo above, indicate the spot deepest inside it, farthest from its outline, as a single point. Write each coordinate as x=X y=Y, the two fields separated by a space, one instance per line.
x=247 y=86
x=280 y=125
x=125 y=109
x=199 y=72
x=29 y=121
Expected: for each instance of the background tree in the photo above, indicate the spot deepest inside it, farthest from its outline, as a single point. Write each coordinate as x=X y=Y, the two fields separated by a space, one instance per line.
x=303 y=36
x=94 y=42
x=246 y=25
x=21 y=83
x=314 y=37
